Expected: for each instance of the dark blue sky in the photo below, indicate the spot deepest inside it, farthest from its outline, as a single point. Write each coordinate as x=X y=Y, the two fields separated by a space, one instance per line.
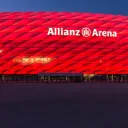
x=95 y=6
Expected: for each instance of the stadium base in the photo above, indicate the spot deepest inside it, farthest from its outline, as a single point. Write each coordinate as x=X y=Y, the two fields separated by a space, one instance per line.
x=62 y=78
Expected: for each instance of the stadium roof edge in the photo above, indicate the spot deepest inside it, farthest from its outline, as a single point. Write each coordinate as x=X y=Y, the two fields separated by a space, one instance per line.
x=91 y=13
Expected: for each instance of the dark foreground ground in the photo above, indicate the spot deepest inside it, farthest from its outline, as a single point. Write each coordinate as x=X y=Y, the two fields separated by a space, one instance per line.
x=63 y=105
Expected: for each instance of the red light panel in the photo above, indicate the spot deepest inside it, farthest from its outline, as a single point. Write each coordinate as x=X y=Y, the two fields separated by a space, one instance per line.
x=25 y=47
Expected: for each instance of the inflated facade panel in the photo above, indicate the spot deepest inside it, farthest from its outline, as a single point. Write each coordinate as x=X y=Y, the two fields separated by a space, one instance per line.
x=39 y=42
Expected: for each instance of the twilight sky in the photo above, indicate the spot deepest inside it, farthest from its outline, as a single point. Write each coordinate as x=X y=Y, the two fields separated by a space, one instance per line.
x=95 y=6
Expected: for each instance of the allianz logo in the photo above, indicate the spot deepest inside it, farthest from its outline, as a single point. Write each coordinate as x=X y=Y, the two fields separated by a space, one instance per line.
x=86 y=32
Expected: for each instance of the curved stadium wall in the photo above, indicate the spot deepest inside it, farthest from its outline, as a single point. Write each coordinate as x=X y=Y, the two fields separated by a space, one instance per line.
x=54 y=42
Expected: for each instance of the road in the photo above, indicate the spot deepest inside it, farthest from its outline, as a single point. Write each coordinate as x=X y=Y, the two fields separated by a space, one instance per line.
x=88 y=105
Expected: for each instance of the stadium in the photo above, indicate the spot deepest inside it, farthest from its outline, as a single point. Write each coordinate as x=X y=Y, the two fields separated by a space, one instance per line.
x=63 y=46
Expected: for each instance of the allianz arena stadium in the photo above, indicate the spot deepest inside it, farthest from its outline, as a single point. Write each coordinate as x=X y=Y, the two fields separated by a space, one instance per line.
x=59 y=46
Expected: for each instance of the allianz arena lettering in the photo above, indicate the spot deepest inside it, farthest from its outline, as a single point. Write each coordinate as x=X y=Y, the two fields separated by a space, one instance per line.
x=104 y=33
x=86 y=32
x=63 y=32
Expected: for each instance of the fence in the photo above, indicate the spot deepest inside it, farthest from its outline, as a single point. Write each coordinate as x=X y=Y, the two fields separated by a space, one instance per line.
x=61 y=78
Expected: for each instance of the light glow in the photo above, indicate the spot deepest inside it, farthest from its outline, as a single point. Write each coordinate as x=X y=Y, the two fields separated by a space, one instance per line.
x=1 y=51
x=33 y=60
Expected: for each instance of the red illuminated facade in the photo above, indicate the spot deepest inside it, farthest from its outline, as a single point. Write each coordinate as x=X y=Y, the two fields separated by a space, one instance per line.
x=45 y=42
